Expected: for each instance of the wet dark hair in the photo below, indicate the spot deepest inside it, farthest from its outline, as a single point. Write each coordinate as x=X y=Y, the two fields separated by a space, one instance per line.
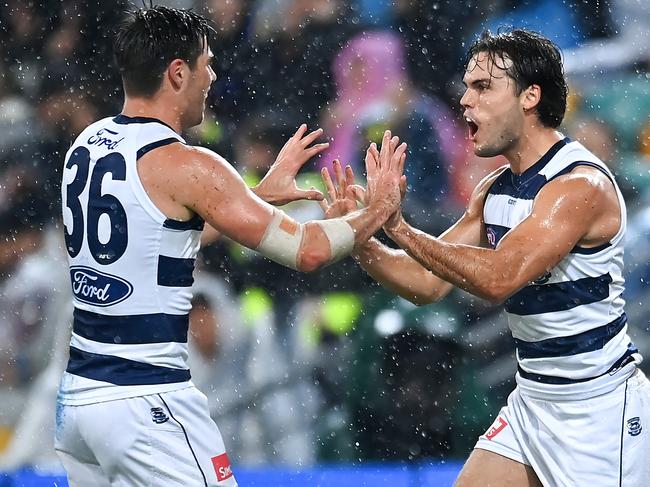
x=535 y=60
x=148 y=39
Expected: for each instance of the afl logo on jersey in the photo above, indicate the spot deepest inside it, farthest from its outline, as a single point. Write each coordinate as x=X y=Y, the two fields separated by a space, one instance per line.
x=492 y=237
x=98 y=288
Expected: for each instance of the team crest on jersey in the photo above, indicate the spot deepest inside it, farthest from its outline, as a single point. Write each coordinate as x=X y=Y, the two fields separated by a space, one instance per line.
x=98 y=288
x=159 y=416
x=634 y=426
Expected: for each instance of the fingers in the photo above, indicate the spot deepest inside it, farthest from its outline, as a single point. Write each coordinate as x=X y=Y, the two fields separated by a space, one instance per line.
x=329 y=185
x=323 y=205
x=397 y=161
x=371 y=161
x=349 y=175
x=300 y=132
x=385 y=148
x=317 y=149
x=340 y=182
x=312 y=136
x=357 y=192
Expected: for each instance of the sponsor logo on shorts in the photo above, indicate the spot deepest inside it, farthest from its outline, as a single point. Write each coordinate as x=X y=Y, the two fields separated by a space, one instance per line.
x=496 y=428
x=634 y=426
x=222 y=467
x=159 y=415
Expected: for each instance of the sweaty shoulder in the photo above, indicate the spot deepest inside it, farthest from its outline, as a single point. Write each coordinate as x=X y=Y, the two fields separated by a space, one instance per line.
x=175 y=174
x=589 y=195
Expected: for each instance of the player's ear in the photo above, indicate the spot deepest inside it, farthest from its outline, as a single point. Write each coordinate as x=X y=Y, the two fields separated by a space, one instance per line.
x=531 y=97
x=177 y=74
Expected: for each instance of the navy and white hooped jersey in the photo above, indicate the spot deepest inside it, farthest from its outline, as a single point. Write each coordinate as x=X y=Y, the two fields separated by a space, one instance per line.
x=569 y=325
x=130 y=268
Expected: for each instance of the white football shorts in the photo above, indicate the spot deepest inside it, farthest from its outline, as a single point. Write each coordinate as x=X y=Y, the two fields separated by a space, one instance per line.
x=166 y=440
x=585 y=438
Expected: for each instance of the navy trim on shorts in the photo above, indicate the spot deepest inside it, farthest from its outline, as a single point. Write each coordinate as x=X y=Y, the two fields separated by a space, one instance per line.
x=558 y=296
x=154 y=145
x=121 y=371
x=620 y=457
x=205 y=481
x=588 y=341
x=550 y=379
x=175 y=272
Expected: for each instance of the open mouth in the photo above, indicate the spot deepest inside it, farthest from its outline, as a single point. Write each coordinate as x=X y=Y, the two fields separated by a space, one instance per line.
x=472 y=127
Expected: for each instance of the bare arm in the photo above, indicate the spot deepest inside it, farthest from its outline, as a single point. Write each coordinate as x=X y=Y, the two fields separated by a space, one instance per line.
x=198 y=180
x=395 y=269
x=577 y=208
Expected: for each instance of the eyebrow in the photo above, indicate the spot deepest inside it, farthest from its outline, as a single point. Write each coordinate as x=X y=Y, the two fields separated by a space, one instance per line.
x=476 y=81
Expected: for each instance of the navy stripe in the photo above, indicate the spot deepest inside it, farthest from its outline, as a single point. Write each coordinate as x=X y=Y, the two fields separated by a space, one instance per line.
x=590 y=250
x=573 y=165
x=559 y=296
x=527 y=184
x=587 y=341
x=121 y=371
x=125 y=120
x=187 y=440
x=174 y=272
x=495 y=233
x=550 y=379
x=194 y=223
x=154 y=145
x=131 y=329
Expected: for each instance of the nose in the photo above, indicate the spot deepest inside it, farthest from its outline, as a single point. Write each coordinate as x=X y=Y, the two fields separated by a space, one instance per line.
x=213 y=76
x=465 y=99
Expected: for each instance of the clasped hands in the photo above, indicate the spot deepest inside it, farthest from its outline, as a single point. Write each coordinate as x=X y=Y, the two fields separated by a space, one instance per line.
x=345 y=196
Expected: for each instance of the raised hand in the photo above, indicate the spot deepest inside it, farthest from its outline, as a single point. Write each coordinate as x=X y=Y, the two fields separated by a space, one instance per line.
x=342 y=194
x=385 y=168
x=278 y=186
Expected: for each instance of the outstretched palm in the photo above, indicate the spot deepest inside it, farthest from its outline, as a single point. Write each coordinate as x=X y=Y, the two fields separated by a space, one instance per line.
x=279 y=184
x=342 y=194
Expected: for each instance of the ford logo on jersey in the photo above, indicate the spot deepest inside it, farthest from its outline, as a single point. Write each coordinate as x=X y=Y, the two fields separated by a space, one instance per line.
x=98 y=288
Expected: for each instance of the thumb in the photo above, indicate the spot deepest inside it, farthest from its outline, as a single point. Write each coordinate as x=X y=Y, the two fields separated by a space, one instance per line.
x=402 y=185
x=357 y=192
x=310 y=194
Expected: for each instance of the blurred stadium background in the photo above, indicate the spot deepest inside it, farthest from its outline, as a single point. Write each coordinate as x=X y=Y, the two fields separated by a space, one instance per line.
x=325 y=378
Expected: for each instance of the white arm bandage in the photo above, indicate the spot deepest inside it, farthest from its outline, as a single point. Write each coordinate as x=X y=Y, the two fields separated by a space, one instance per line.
x=341 y=237
x=281 y=241
x=283 y=237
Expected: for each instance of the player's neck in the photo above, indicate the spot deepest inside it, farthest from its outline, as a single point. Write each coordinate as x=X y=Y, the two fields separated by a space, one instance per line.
x=532 y=145
x=153 y=108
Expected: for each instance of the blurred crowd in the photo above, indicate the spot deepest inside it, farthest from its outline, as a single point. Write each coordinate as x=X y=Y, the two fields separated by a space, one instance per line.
x=328 y=366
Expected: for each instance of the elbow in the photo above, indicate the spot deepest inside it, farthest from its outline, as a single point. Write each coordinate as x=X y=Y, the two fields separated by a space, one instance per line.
x=497 y=293
x=312 y=260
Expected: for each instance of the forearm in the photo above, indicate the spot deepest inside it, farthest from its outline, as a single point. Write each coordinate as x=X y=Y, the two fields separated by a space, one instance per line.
x=400 y=273
x=474 y=269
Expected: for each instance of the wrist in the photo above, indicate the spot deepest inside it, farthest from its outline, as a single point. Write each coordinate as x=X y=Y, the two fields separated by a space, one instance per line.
x=260 y=193
x=396 y=228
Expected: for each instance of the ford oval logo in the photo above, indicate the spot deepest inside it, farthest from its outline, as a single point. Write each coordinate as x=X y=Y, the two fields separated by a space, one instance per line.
x=98 y=288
